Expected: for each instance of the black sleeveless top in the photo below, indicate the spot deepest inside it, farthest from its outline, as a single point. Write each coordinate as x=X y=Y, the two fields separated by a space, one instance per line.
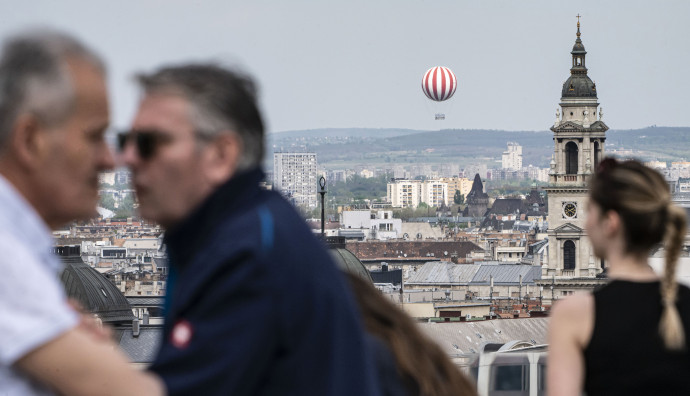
x=626 y=355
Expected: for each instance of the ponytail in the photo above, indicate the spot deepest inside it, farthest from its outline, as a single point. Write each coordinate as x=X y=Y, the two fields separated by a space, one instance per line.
x=671 y=326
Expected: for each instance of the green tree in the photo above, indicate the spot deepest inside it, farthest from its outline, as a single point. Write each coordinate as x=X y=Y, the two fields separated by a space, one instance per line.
x=459 y=199
x=107 y=201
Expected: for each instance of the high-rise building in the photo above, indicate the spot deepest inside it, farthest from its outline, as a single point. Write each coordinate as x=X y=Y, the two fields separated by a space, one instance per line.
x=434 y=193
x=578 y=136
x=294 y=175
x=512 y=158
x=410 y=193
x=403 y=193
x=462 y=184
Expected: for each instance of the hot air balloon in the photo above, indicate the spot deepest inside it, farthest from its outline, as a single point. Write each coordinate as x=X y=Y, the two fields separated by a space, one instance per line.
x=439 y=84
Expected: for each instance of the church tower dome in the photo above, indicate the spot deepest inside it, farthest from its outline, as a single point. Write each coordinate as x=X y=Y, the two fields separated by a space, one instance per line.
x=579 y=85
x=578 y=133
x=579 y=140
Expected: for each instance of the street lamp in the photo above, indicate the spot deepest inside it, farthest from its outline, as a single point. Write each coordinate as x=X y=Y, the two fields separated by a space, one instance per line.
x=322 y=191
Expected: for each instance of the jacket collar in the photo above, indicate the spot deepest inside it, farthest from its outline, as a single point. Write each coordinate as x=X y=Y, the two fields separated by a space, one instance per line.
x=184 y=239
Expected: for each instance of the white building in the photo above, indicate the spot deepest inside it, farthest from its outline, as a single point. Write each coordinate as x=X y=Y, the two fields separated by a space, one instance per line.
x=434 y=193
x=512 y=159
x=410 y=193
x=403 y=193
x=375 y=224
x=294 y=174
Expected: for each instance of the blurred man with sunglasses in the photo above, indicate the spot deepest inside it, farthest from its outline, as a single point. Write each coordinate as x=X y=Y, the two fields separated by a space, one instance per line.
x=53 y=115
x=254 y=304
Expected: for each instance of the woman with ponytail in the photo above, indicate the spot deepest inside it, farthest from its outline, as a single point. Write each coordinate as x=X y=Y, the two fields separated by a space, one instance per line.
x=630 y=337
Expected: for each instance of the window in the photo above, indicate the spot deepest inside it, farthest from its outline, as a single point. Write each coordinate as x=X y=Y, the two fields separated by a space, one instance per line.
x=510 y=378
x=569 y=255
x=596 y=154
x=571 y=158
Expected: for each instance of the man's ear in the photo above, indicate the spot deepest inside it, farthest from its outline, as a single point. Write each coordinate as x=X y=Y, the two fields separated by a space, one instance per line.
x=222 y=156
x=27 y=142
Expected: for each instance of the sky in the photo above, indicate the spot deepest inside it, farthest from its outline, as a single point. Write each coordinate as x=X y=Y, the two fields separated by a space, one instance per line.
x=359 y=63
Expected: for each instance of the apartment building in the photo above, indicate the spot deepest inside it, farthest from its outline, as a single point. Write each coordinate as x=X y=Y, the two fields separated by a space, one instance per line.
x=512 y=158
x=410 y=193
x=295 y=176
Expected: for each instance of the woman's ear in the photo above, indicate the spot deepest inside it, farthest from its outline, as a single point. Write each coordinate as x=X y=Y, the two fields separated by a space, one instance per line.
x=612 y=223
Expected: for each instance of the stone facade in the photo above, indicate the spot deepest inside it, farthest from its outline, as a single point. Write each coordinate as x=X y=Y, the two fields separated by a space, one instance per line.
x=579 y=138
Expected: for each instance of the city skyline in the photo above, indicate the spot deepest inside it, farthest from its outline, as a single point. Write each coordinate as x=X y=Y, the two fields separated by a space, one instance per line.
x=360 y=64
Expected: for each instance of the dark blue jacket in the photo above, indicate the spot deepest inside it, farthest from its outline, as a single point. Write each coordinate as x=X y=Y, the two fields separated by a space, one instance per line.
x=255 y=305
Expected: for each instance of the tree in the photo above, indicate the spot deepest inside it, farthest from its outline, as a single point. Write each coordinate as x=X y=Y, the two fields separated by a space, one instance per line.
x=459 y=199
x=107 y=201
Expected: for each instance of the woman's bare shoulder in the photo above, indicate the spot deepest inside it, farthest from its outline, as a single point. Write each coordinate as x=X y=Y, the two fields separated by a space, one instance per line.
x=578 y=303
x=574 y=315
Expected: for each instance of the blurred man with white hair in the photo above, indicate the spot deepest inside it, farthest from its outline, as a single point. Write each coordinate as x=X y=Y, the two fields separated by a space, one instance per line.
x=53 y=116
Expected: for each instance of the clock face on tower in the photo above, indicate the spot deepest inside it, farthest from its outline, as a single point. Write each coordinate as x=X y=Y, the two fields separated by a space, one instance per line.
x=569 y=210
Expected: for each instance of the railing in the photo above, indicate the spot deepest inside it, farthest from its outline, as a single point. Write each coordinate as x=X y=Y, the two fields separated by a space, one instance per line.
x=570 y=178
x=569 y=273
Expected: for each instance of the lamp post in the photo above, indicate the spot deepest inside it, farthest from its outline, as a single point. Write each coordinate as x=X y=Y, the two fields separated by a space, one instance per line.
x=541 y=304
x=491 y=296
x=322 y=191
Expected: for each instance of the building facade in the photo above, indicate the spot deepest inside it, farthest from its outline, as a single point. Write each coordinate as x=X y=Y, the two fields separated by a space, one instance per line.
x=434 y=193
x=403 y=193
x=295 y=176
x=579 y=137
x=410 y=193
x=512 y=158
x=462 y=184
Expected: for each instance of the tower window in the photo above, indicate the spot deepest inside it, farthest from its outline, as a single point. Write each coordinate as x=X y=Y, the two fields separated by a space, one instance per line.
x=571 y=158
x=596 y=154
x=569 y=255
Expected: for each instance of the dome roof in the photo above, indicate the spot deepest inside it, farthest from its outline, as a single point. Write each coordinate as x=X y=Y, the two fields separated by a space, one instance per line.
x=579 y=86
x=93 y=291
x=578 y=48
x=348 y=262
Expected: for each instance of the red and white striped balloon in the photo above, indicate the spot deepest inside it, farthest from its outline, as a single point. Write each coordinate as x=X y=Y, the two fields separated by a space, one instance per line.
x=439 y=83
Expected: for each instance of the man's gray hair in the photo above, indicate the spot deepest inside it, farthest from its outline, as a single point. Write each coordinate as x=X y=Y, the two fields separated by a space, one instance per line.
x=221 y=100
x=34 y=77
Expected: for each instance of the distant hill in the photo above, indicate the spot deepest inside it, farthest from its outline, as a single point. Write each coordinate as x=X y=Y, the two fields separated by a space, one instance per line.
x=340 y=132
x=347 y=147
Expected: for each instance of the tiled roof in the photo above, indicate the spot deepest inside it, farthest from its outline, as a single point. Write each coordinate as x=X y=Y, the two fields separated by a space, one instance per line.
x=505 y=206
x=145 y=301
x=507 y=274
x=469 y=337
x=141 y=349
x=443 y=272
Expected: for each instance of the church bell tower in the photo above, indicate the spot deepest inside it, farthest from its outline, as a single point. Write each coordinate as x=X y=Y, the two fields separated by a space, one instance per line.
x=578 y=136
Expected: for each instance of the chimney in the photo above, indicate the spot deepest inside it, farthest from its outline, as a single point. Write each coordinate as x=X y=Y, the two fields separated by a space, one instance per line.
x=135 y=327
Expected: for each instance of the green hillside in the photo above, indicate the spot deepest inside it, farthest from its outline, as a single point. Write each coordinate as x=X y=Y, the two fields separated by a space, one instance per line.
x=348 y=147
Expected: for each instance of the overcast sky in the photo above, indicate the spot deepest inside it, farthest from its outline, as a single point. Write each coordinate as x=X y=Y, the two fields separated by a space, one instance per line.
x=359 y=63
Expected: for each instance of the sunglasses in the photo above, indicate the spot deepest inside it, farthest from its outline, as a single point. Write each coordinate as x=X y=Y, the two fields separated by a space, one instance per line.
x=145 y=141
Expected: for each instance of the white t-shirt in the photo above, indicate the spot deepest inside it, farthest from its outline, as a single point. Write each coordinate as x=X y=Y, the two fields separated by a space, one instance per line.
x=33 y=305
